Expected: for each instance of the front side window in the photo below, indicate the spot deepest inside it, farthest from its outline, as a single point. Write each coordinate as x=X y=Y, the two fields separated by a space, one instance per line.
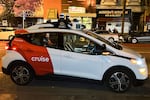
x=80 y=44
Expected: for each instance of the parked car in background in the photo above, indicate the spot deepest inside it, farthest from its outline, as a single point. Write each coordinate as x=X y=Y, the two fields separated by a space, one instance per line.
x=6 y=32
x=140 y=37
x=112 y=37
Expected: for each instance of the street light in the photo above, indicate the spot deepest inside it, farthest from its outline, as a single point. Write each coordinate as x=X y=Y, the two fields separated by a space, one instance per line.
x=123 y=16
x=23 y=18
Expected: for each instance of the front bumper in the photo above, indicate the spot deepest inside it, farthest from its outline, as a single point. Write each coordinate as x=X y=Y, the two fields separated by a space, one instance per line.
x=140 y=82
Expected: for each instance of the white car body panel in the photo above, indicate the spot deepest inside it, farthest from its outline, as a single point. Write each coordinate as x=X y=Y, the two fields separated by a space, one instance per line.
x=81 y=65
x=55 y=57
x=11 y=56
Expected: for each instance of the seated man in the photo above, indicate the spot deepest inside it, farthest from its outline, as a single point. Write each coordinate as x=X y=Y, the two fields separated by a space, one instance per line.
x=46 y=40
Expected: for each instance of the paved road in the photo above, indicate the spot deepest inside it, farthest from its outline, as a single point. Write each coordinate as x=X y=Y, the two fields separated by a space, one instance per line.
x=67 y=89
x=73 y=89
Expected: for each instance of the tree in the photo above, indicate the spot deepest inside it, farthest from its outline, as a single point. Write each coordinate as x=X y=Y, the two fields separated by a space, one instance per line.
x=14 y=8
x=8 y=5
x=27 y=5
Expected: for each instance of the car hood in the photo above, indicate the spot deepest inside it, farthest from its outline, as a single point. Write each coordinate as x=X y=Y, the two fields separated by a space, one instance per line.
x=127 y=52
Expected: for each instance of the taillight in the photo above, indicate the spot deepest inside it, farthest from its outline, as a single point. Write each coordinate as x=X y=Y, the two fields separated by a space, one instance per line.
x=7 y=47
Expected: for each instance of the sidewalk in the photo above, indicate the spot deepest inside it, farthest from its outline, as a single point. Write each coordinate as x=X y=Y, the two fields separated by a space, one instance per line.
x=2 y=51
x=4 y=78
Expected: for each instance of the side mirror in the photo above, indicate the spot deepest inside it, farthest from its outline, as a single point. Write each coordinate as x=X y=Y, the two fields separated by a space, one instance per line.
x=99 y=49
x=103 y=46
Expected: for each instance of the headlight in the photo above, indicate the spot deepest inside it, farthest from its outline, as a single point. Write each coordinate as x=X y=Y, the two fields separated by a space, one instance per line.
x=135 y=61
x=120 y=37
x=143 y=71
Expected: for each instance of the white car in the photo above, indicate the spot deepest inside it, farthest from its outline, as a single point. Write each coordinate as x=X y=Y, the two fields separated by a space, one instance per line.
x=72 y=53
x=112 y=37
x=6 y=32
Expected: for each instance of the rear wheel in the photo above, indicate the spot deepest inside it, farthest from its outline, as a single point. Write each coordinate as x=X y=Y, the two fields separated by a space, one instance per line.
x=118 y=80
x=134 y=40
x=21 y=73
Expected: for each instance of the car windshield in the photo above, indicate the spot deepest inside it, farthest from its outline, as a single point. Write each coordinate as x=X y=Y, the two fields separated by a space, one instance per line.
x=114 y=44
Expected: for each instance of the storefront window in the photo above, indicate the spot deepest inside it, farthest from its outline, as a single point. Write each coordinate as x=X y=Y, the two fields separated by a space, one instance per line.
x=87 y=21
x=102 y=1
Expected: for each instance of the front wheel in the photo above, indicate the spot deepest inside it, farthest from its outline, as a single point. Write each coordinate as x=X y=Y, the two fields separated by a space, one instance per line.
x=111 y=39
x=118 y=80
x=21 y=74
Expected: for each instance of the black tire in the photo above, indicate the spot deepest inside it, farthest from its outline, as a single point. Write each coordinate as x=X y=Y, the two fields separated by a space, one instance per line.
x=118 y=80
x=21 y=73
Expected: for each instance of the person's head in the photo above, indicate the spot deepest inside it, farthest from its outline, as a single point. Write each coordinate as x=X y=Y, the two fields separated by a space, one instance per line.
x=47 y=35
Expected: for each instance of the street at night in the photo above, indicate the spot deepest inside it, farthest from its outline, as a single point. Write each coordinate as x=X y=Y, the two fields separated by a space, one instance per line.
x=74 y=50
x=62 y=88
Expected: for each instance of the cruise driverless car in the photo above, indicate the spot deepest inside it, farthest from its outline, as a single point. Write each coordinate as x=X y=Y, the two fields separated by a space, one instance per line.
x=76 y=53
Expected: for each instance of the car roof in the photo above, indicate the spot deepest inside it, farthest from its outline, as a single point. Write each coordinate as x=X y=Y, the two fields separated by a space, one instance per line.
x=40 y=26
x=44 y=30
x=44 y=27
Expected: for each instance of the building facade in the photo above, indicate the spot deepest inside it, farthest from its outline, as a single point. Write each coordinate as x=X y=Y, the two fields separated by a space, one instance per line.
x=102 y=14
x=83 y=10
x=146 y=7
x=110 y=15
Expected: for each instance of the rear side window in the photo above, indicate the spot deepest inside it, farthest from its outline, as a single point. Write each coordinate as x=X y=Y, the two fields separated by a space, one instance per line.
x=26 y=37
x=41 y=39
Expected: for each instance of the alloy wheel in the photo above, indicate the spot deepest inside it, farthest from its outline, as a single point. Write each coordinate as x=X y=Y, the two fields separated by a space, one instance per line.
x=119 y=82
x=21 y=75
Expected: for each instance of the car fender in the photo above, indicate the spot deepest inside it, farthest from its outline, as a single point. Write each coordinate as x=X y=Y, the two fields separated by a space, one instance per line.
x=10 y=57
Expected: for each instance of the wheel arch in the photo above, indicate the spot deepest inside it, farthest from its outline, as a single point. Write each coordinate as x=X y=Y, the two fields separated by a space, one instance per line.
x=120 y=68
x=19 y=61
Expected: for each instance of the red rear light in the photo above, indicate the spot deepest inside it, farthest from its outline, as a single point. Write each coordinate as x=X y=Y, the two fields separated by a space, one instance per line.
x=7 y=47
x=13 y=48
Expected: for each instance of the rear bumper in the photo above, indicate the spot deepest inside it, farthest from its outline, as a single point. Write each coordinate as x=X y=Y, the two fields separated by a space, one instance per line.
x=5 y=71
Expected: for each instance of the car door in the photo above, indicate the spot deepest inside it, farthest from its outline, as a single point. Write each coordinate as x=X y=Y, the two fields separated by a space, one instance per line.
x=79 y=61
x=43 y=59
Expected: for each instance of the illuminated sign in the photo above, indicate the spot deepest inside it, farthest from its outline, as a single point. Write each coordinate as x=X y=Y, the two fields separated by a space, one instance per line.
x=112 y=12
x=73 y=9
x=52 y=14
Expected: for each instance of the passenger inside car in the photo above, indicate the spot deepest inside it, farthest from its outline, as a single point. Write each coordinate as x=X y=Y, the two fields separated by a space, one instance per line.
x=46 y=40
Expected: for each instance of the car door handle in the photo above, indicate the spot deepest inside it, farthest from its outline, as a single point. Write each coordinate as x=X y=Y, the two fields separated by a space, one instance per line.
x=67 y=56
